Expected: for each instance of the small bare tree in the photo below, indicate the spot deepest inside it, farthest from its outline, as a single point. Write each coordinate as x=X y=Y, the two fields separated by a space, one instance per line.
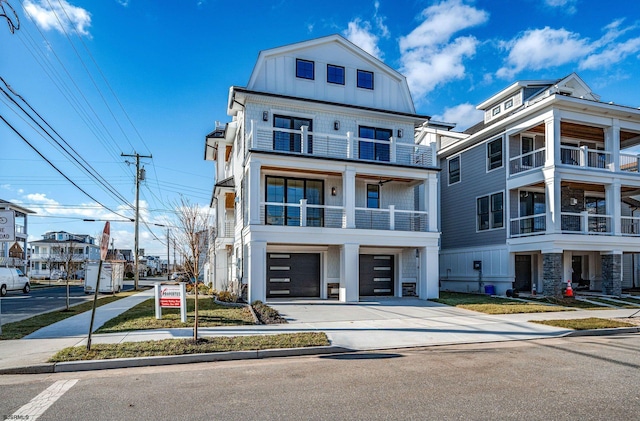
x=192 y=222
x=67 y=255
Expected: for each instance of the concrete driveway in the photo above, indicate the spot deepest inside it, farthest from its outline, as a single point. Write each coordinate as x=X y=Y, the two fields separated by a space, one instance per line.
x=389 y=322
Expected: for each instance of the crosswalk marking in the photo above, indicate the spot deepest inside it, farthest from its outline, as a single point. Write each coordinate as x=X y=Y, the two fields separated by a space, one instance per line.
x=36 y=406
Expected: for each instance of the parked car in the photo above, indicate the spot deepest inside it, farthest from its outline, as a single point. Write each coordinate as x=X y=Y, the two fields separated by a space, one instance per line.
x=180 y=276
x=58 y=274
x=12 y=279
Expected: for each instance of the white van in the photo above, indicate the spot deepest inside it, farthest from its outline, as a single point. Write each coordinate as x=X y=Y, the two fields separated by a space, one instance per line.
x=12 y=279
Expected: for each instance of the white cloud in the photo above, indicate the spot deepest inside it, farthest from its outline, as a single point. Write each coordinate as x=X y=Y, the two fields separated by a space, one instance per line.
x=612 y=55
x=58 y=15
x=428 y=55
x=464 y=115
x=360 y=33
x=125 y=3
x=569 y=6
x=537 y=49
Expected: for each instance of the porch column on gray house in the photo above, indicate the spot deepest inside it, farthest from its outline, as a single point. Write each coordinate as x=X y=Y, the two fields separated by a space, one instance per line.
x=349 y=196
x=349 y=273
x=253 y=195
x=552 y=274
x=612 y=273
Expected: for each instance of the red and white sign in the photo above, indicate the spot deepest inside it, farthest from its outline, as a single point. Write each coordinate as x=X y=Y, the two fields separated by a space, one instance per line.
x=170 y=296
x=104 y=243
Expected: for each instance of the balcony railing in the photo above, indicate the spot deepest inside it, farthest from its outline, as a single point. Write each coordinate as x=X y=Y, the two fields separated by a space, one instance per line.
x=528 y=225
x=585 y=223
x=527 y=161
x=629 y=162
x=585 y=157
x=306 y=143
x=630 y=226
x=306 y=215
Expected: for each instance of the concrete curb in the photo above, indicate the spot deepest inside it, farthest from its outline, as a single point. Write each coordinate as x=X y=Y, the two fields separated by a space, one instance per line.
x=603 y=332
x=73 y=366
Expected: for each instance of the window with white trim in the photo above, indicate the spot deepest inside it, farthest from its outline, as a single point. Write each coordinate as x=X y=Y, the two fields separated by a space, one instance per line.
x=494 y=154
x=490 y=211
x=454 y=170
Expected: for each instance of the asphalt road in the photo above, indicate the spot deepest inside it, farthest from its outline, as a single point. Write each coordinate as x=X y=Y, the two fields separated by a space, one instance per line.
x=17 y=306
x=588 y=378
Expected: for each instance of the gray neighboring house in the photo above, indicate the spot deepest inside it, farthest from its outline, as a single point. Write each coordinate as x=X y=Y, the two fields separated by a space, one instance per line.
x=14 y=253
x=544 y=190
x=50 y=255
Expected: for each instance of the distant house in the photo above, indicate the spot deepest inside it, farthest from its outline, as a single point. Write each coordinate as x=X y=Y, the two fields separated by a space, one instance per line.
x=544 y=190
x=321 y=190
x=62 y=253
x=14 y=253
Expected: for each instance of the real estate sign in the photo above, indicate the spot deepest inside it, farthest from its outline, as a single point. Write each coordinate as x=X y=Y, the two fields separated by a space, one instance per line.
x=7 y=225
x=171 y=296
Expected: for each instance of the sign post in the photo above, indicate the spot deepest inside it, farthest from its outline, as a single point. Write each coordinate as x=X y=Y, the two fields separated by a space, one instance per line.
x=104 y=246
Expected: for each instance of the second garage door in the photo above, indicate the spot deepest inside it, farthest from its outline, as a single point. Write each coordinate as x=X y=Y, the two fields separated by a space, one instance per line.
x=376 y=274
x=293 y=275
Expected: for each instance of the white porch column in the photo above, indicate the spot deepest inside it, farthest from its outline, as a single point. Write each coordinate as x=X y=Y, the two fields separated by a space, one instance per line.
x=553 y=195
x=552 y=140
x=253 y=195
x=349 y=196
x=350 y=146
x=431 y=202
x=304 y=139
x=612 y=143
x=350 y=273
x=613 y=201
x=256 y=264
x=428 y=273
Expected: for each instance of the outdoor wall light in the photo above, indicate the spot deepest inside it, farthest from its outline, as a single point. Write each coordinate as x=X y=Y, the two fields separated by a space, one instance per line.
x=265 y=116
x=336 y=125
x=399 y=132
x=333 y=191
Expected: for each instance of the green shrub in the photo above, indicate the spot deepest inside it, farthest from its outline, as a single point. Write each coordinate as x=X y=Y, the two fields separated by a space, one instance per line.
x=227 y=297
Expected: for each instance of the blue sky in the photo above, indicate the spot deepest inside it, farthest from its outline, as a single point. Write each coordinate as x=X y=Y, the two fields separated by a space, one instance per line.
x=152 y=77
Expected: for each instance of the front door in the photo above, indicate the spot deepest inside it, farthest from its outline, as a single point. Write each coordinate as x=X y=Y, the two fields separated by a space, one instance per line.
x=523 y=273
x=376 y=274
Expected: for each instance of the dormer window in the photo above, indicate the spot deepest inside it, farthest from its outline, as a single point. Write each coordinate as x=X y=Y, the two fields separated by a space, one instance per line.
x=305 y=69
x=508 y=104
x=495 y=111
x=365 y=79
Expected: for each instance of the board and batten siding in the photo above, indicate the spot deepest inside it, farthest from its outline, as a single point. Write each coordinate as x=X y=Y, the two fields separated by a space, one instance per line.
x=458 y=201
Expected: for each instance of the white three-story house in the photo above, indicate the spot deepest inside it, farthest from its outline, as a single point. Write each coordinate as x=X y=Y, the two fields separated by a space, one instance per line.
x=321 y=189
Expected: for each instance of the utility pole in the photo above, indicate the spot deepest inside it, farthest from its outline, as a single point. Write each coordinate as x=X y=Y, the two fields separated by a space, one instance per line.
x=168 y=257
x=139 y=175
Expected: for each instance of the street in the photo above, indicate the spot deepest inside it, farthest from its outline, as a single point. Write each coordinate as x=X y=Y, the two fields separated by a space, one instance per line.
x=586 y=378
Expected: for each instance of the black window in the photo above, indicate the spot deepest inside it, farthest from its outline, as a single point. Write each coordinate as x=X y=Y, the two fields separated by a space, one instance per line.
x=454 y=170
x=375 y=151
x=305 y=69
x=291 y=191
x=373 y=196
x=494 y=154
x=335 y=74
x=490 y=211
x=290 y=140
x=365 y=79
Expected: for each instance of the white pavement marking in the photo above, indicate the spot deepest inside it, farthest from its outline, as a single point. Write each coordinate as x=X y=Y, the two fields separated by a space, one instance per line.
x=43 y=401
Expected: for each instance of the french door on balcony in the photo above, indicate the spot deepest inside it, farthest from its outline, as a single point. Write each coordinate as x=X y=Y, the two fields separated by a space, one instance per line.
x=533 y=205
x=291 y=191
x=289 y=141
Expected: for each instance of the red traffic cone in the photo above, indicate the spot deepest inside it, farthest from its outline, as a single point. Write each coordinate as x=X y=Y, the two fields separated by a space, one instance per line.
x=569 y=290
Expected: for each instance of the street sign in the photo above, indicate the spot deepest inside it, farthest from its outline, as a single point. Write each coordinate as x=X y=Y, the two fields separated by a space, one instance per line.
x=7 y=225
x=170 y=296
x=104 y=243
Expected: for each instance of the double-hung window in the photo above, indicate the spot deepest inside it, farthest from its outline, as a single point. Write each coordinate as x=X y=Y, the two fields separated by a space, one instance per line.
x=494 y=154
x=373 y=196
x=454 y=170
x=365 y=79
x=490 y=211
x=378 y=150
x=335 y=74
x=305 y=69
x=290 y=139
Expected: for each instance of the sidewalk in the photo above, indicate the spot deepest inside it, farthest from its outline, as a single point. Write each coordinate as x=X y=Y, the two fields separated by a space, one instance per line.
x=368 y=325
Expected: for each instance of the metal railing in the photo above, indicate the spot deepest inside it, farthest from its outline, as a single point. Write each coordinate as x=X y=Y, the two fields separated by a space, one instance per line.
x=585 y=223
x=528 y=225
x=527 y=161
x=585 y=157
x=630 y=226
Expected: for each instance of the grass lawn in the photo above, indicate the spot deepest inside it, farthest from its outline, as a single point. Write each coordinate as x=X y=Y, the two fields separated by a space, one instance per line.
x=210 y=314
x=492 y=305
x=188 y=346
x=584 y=324
x=22 y=328
x=614 y=303
x=571 y=302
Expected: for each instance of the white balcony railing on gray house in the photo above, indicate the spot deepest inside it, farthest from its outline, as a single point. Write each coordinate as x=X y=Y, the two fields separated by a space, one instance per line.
x=324 y=145
x=585 y=157
x=528 y=225
x=629 y=162
x=586 y=223
x=527 y=161
x=630 y=226
x=306 y=215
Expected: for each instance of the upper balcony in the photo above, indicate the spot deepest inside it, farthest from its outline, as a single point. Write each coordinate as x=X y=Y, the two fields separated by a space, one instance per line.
x=303 y=142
